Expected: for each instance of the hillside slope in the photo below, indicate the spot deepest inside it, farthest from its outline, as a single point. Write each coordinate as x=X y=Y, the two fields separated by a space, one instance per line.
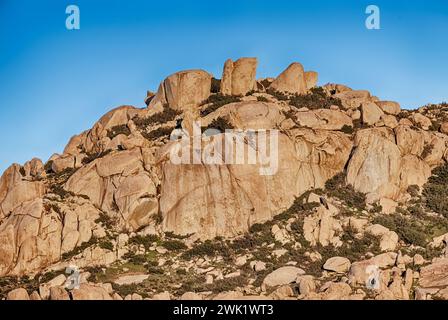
x=355 y=206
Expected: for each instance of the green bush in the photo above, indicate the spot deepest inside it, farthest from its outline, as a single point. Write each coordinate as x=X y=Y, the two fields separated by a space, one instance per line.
x=262 y=99
x=106 y=244
x=280 y=96
x=105 y=220
x=216 y=85
x=227 y=284
x=117 y=130
x=414 y=190
x=48 y=167
x=161 y=132
x=316 y=99
x=60 y=191
x=217 y=101
x=79 y=249
x=146 y=241
x=435 y=190
x=92 y=156
x=137 y=259
x=166 y=115
x=206 y=248
x=220 y=124
x=347 y=129
x=174 y=245
x=408 y=230
x=337 y=187
x=427 y=150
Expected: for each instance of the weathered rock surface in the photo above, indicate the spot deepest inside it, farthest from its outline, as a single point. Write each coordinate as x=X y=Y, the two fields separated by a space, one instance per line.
x=238 y=78
x=293 y=80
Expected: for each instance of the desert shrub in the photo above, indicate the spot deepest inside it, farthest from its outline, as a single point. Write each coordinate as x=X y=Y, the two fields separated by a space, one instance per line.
x=435 y=190
x=172 y=235
x=220 y=124
x=402 y=115
x=60 y=191
x=408 y=230
x=427 y=150
x=125 y=289
x=355 y=249
x=358 y=124
x=347 y=129
x=206 y=248
x=262 y=99
x=216 y=85
x=280 y=96
x=414 y=190
x=260 y=227
x=117 y=130
x=291 y=114
x=316 y=99
x=265 y=83
x=155 y=270
x=166 y=115
x=43 y=278
x=79 y=249
x=105 y=220
x=435 y=125
x=11 y=282
x=337 y=187
x=217 y=101
x=227 y=284
x=137 y=259
x=376 y=208
x=174 y=245
x=181 y=272
x=92 y=156
x=48 y=167
x=106 y=244
x=146 y=241
x=158 y=133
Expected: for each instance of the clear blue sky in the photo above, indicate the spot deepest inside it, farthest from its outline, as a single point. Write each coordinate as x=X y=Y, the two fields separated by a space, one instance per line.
x=55 y=83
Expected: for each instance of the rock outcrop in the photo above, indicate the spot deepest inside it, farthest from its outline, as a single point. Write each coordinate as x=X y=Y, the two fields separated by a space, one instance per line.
x=348 y=189
x=238 y=78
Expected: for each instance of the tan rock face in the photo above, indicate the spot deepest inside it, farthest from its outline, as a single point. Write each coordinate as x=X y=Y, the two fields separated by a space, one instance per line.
x=183 y=90
x=282 y=276
x=324 y=119
x=95 y=140
x=371 y=113
x=90 y=292
x=389 y=107
x=311 y=78
x=118 y=179
x=375 y=164
x=444 y=128
x=238 y=77
x=353 y=99
x=435 y=275
x=14 y=190
x=337 y=264
x=18 y=294
x=421 y=121
x=321 y=227
x=292 y=80
x=212 y=200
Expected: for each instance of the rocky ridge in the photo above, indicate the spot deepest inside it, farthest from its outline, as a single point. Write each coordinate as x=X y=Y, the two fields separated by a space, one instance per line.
x=360 y=194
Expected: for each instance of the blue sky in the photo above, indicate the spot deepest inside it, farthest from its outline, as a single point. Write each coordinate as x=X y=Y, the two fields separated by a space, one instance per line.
x=55 y=83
